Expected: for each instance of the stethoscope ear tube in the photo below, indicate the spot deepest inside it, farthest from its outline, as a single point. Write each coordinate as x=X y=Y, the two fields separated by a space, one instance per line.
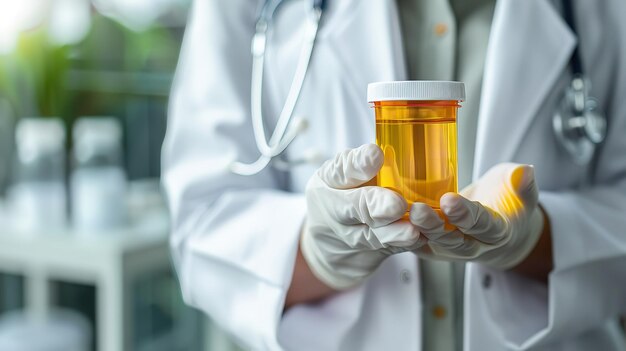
x=579 y=125
x=287 y=128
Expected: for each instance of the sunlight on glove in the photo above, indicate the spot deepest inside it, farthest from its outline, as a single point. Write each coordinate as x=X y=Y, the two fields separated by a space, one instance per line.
x=497 y=218
x=350 y=227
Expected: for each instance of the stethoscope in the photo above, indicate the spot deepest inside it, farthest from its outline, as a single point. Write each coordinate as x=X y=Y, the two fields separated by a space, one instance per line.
x=579 y=125
x=282 y=136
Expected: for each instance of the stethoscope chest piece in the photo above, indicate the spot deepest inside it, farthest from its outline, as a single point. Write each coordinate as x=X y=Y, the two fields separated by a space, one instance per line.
x=579 y=124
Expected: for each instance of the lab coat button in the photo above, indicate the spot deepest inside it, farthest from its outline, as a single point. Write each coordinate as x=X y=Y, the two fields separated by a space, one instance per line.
x=439 y=312
x=440 y=29
x=405 y=276
x=487 y=281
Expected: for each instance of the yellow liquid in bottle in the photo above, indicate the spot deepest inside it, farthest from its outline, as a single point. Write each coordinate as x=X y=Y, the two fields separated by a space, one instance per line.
x=420 y=147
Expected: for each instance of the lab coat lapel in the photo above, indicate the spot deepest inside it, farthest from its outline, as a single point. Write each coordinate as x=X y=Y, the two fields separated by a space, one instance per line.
x=363 y=40
x=369 y=39
x=383 y=49
x=529 y=48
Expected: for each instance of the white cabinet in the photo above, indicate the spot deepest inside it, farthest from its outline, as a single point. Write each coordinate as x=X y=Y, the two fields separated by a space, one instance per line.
x=109 y=261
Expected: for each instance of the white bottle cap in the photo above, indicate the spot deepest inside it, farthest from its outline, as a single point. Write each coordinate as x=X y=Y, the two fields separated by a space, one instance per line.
x=97 y=130
x=416 y=90
x=40 y=131
x=94 y=134
x=34 y=136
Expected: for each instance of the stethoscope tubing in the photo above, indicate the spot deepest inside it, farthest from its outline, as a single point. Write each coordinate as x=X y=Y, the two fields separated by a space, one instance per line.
x=282 y=136
x=578 y=124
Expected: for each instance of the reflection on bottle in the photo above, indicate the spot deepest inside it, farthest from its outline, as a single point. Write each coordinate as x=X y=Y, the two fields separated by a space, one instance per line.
x=420 y=159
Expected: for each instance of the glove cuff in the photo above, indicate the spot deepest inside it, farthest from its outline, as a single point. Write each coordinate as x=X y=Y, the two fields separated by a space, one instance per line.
x=520 y=246
x=320 y=270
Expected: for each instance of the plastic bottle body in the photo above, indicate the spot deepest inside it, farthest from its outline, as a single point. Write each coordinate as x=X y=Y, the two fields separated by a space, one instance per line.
x=419 y=140
x=98 y=182
x=37 y=197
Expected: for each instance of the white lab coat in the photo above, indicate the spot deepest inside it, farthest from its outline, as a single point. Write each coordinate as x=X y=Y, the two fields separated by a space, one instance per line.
x=234 y=238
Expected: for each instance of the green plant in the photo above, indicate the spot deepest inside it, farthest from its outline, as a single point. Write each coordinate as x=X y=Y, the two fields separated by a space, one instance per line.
x=33 y=77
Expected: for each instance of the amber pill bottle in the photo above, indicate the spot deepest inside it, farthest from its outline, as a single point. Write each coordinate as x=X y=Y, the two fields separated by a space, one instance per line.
x=416 y=127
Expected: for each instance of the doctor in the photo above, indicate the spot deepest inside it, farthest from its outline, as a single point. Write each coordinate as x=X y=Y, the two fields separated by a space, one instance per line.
x=251 y=251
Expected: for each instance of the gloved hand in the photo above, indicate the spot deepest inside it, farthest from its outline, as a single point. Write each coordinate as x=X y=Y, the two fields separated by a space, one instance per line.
x=351 y=227
x=497 y=218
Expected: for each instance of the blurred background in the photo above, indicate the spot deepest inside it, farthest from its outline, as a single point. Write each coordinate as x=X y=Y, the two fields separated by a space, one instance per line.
x=84 y=263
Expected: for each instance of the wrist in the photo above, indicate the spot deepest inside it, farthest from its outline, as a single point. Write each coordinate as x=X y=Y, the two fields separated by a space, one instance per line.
x=305 y=286
x=539 y=263
x=529 y=241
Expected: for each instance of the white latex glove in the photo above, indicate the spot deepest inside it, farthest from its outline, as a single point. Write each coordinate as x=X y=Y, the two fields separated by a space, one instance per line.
x=498 y=219
x=350 y=227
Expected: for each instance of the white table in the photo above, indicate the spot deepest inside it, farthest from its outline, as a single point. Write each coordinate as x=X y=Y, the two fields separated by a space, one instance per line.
x=109 y=261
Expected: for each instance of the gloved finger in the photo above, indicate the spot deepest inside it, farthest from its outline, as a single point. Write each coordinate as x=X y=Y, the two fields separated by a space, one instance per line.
x=399 y=234
x=472 y=218
x=466 y=250
x=427 y=220
x=371 y=205
x=429 y=223
x=513 y=184
x=353 y=167
x=522 y=181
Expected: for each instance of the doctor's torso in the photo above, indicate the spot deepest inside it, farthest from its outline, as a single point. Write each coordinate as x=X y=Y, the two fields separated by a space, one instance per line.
x=511 y=109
